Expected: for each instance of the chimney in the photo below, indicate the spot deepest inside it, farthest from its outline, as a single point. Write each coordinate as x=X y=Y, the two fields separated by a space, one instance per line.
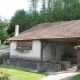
x=16 y=30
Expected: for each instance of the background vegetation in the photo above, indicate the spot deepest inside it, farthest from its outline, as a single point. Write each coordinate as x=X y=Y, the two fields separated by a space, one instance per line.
x=43 y=11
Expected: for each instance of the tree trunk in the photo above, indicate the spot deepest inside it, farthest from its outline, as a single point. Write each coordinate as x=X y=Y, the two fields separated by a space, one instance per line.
x=78 y=60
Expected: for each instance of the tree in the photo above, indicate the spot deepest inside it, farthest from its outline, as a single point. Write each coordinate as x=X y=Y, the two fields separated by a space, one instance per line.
x=24 y=20
x=50 y=11
x=3 y=35
x=19 y=18
x=34 y=5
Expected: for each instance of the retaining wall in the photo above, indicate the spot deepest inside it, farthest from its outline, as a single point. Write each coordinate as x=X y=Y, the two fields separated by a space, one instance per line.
x=37 y=65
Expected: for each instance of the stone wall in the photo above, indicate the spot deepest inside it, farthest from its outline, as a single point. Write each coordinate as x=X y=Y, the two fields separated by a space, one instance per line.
x=37 y=65
x=1 y=60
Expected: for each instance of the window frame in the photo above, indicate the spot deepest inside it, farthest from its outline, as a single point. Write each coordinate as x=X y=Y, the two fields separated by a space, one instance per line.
x=27 y=44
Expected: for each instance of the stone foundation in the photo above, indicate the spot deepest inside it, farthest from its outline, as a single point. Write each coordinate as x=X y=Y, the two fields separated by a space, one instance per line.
x=38 y=65
x=35 y=65
x=1 y=60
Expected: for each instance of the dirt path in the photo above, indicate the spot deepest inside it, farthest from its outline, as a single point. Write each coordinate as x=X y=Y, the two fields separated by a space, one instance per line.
x=63 y=75
x=4 y=51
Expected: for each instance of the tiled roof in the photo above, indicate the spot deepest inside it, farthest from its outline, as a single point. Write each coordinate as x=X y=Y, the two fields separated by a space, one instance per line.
x=56 y=30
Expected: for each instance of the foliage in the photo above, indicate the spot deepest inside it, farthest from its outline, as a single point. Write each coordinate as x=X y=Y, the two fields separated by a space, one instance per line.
x=23 y=49
x=5 y=76
x=3 y=27
x=20 y=49
x=49 y=11
x=7 y=43
x=20 y=74
x=3 y=35
x=77 y=77
x=77 y=47
x=19 y=18
x=7 y=55
x=0 y=62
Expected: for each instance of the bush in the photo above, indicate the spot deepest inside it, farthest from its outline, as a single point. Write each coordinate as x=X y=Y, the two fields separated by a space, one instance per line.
x=7 y=55
x=3 y=35
x=5 y=76
x=0 y=62
x=7 y=43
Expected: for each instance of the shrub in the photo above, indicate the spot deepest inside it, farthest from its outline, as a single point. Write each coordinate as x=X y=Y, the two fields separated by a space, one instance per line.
x=7 y=43
x=0 y=62
x=5 y=76
x=7 y=55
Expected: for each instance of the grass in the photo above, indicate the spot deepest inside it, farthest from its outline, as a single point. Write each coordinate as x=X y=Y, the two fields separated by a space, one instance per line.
x=77 y=77
x=20 y=74
x=7 y=55
x=4 y=46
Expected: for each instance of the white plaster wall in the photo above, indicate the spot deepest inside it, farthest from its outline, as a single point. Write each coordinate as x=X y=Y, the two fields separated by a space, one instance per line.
x=59 y=52
x=56 y=51
x=62 y=49
x=32 y=54
x=53 y=55
x=47 y=52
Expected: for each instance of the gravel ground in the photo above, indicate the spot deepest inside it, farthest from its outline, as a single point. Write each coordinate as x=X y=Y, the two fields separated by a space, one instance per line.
x=4 y=51
x=63 y=75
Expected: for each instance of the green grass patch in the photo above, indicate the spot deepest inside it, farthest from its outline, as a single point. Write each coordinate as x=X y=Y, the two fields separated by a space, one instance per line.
x=77 y=77
x=7 y=55
x=20 y=74
x=4 y=47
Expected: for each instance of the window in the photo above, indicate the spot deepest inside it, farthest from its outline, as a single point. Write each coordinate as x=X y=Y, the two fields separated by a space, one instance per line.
x=24 y=45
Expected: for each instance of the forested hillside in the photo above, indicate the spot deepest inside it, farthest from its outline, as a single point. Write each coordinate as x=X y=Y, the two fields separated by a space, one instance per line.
x=43 y=11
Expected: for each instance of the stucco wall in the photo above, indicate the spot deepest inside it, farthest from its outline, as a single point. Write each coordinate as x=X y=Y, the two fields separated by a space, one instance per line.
x=47 y=52
x=33 y=54
x=59 y=49
x=59 y=52
x=53 y=52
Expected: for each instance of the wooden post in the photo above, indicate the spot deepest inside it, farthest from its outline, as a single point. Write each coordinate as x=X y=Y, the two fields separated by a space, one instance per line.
x=42 y=47
x=78 y=57
x=78 y=60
